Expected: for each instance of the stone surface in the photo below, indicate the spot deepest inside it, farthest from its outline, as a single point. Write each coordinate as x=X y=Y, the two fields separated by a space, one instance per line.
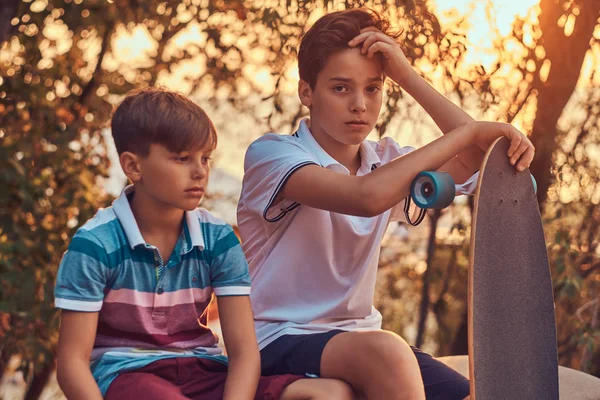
x=573 y=384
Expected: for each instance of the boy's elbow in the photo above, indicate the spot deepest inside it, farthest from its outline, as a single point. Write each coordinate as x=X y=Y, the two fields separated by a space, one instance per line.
x=62 y=371
x=244 y=353
x=364 y=208
x=369 y=202
x=66 y=368
x=372 y=209
x=62 y=375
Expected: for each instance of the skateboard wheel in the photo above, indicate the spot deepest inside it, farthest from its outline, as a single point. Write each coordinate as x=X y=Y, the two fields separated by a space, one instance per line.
x=534 y=183
x=433 y=189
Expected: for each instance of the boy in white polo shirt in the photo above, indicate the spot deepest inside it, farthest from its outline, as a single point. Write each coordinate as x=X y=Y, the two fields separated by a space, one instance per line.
x=315 y=205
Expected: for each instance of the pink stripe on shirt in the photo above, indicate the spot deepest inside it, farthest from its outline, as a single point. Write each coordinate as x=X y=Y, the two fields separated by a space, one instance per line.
x=165 y=299
x=159 y=321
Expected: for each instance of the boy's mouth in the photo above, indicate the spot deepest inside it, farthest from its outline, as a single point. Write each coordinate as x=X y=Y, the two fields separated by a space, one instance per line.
x=357 y=124
x=195 y=191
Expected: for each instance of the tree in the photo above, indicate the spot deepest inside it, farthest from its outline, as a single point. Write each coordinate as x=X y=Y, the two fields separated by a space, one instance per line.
x=552 y=70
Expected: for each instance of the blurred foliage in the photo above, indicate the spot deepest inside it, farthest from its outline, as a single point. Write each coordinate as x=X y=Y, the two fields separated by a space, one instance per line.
x=572 y=234
x=546 y=79
x=51 y=157
x=65 y=63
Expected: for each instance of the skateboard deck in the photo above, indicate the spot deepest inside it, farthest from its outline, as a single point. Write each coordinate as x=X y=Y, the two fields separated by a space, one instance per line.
x=512 y=327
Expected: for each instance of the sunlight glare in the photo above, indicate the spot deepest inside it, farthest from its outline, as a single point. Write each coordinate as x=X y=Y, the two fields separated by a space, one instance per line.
x=488 y=21
x=133 y=46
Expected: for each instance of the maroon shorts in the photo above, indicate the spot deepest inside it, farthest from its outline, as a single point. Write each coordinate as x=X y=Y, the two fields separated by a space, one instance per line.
x=187 y=378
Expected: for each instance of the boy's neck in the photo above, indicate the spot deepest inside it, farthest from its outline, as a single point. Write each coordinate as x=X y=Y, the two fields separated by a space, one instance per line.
x=154 y=218
x=346 y=154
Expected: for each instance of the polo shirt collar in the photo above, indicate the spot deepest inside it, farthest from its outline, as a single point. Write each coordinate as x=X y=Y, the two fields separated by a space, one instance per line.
x=191 y=228
x=369 y=158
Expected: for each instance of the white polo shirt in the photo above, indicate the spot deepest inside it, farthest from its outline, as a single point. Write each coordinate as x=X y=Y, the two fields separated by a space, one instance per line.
x=312 y=270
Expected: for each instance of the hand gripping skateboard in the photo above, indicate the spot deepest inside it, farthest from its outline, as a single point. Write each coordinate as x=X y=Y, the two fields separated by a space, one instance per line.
x=512 y=328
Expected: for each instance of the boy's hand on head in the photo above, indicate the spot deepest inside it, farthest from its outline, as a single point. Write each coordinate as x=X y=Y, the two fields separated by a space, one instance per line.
x=371 y=40
x=520 y=151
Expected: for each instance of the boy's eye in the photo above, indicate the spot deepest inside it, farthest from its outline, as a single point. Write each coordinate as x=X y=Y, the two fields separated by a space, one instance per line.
x=339 y=88
x=206 y=159
x=373 y=89
x=182 y=158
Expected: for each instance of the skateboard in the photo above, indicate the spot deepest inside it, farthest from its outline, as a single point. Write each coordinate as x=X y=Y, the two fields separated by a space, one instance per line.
x=512 y=327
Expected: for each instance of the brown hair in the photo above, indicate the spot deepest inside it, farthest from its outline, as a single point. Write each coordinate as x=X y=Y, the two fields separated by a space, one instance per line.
x=331 y=33
x=158 y=116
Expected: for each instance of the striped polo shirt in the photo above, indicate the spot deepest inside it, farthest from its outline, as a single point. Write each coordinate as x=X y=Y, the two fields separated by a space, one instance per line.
x=149 y=307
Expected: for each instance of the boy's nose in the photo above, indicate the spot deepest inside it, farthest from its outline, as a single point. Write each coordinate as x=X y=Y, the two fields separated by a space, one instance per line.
x=358 y=104
x=199 y=172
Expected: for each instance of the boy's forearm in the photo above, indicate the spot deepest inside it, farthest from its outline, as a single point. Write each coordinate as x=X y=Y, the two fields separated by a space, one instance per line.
x=242 y=376
x=390 y=184
x=76 y=380
x=373 y=193
x=446 y=115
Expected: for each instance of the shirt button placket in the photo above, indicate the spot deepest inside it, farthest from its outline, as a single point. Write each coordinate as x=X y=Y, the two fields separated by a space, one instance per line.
x=157 y=313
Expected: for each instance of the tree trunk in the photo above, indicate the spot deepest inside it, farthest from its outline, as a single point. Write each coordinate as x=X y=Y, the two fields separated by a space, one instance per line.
x=460 y=345
x=39 y=381
x=440 y=307
x=424 y=309
x=8 y=10
x=461 y=340
x=566 y=54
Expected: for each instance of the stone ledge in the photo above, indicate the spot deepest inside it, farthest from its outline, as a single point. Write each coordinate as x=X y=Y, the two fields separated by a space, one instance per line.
x=573 y=384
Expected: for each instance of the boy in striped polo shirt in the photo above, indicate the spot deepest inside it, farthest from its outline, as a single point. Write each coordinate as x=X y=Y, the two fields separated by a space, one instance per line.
x=137 y=279
x=315 y=205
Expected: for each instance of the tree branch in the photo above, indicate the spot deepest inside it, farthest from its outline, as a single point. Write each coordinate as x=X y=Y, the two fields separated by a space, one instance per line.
x=92 y=83
x=8 y=10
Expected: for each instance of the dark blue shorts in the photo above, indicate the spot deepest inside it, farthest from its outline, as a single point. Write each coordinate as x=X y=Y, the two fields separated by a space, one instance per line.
x=301 y=355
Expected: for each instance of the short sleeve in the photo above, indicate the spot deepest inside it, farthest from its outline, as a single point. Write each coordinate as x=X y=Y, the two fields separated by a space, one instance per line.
x=82 y=274
x=388 y=149
x=268 y=164
x=229 y=269
x=469 y=186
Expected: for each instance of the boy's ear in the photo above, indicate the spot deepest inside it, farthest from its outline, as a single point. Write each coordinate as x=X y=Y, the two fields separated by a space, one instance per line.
x=305 y=93
x=130 y=163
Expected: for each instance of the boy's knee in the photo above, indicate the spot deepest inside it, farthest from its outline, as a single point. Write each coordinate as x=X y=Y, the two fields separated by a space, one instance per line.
x=389 y=348
x=396 y=359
